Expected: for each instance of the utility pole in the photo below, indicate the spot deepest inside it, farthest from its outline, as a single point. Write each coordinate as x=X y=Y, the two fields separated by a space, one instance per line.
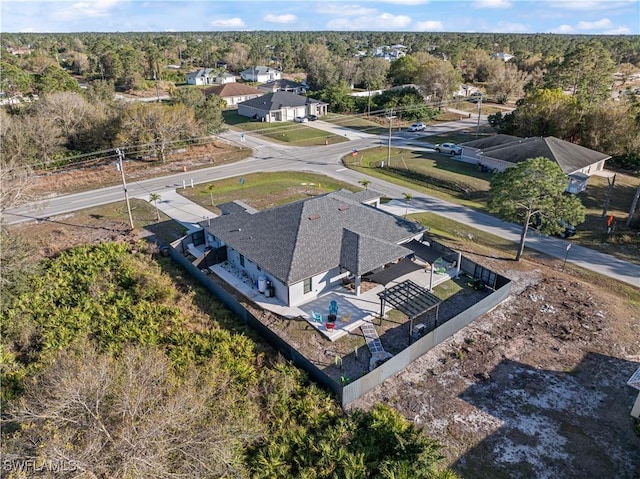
x=390 y=117
x=156 y=80
x=479 y=109
x=120 y=168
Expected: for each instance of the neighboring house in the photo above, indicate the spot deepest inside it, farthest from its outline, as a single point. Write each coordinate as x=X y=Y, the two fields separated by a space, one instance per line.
x=204 y=76
x=283 y=85
x=261 y=74
x=505 y=57
x=498 y=152
x=308 y=247
x=223 y=78
x=281 y=106
x=234 y=93
x=389 y=52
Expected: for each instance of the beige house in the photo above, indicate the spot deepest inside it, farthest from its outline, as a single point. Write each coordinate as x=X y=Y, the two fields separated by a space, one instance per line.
x=234 y=93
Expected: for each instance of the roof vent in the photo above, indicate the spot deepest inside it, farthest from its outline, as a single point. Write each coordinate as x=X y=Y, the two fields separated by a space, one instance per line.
x=344 y=208
x=314 y=217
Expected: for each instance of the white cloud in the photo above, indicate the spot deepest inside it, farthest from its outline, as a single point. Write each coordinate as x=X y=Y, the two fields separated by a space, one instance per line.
x=228 y=23
x=508 y=27
x=78 y=10
x=491 y=4
x=406 y=2
x=604 y=23
x=384 y=21
x=618 y=31
x=602 y=26
x=286 y=18
x=590 y=5
x=344 y=9
x=563 y=29
x=429 y=26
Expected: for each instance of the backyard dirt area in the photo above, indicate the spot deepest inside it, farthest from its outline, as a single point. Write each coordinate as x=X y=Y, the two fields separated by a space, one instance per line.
x=534 y=388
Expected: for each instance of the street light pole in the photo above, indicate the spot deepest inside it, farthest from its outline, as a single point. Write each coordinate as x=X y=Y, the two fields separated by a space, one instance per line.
x=390 y=118
x=120 y=167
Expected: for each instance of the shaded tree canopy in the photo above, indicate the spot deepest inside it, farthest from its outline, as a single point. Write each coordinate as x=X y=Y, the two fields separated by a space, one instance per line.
x=534 y=190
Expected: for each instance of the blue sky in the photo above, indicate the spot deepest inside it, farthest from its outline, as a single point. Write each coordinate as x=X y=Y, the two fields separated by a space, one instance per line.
x=505 y=16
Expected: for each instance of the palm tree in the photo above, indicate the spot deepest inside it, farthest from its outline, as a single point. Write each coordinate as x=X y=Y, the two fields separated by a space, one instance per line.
x=210 y=188
x=154 y=198
x=365 y=182
x=407 y=197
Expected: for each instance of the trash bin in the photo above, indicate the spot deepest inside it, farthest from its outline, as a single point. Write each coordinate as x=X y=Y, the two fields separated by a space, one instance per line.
x=262 y=284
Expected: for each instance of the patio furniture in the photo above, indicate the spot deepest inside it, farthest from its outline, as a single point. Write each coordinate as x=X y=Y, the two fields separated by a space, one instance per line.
x=333 y=307
x=316 y=317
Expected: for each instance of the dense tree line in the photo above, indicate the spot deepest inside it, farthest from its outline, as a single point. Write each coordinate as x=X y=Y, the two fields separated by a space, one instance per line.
x=110 y=370
x=581 y=67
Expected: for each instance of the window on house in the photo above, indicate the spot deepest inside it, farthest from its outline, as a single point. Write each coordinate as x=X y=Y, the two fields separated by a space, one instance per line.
x=241 y=260
x=307 y=286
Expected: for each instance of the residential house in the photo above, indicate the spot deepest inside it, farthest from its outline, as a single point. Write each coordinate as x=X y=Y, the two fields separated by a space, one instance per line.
x=204 y=76
x=281 y=106
x=283 y=85
x=310 y=246
x=389 y=53
x=234 y=93
x=504 y=56
x=261 y=74
x=498 y=152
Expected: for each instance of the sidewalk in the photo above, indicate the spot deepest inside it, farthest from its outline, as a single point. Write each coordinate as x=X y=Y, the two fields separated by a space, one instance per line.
x=348 y=133
x=181 y=209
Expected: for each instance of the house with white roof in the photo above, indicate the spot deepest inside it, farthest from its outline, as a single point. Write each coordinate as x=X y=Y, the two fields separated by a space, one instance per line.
x=260 y=74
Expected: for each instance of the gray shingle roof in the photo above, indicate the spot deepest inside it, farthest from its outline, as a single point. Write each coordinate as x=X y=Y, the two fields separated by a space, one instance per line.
x=282 y=83
x=298 y=240
x=278 y=100
x=569 y=156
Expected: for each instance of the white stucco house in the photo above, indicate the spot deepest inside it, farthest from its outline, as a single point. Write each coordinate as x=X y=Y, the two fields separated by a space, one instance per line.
x=261 y=74
x=498 y=152
x=281 y=106
x=308 y=247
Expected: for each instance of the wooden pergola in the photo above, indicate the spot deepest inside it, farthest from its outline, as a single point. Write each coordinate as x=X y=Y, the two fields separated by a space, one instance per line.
x=410 y=299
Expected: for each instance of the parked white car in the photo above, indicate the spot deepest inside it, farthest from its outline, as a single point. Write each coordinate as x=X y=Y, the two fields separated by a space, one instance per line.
x=301 y=119
x=417 y=127
x=450 y=148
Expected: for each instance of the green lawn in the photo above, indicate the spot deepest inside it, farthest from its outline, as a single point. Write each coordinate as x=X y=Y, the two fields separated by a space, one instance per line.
x=263 y=190
x=461 y=183
x=360 y=123
x=432 y=173
x=288 y=132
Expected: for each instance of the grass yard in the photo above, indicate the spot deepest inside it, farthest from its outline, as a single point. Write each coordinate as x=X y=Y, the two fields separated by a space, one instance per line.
x=458 y=136
x=466 y=105
x=622 y=241
x=432 y=173
x=461 y=183
x=359 y=123
x=288 y=132
x=263 y=190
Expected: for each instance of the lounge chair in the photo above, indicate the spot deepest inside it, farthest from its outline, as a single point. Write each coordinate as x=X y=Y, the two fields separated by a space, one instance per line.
x=316 y=316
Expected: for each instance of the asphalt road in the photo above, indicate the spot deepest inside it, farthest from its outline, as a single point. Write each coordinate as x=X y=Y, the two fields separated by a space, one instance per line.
x=326 y=160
